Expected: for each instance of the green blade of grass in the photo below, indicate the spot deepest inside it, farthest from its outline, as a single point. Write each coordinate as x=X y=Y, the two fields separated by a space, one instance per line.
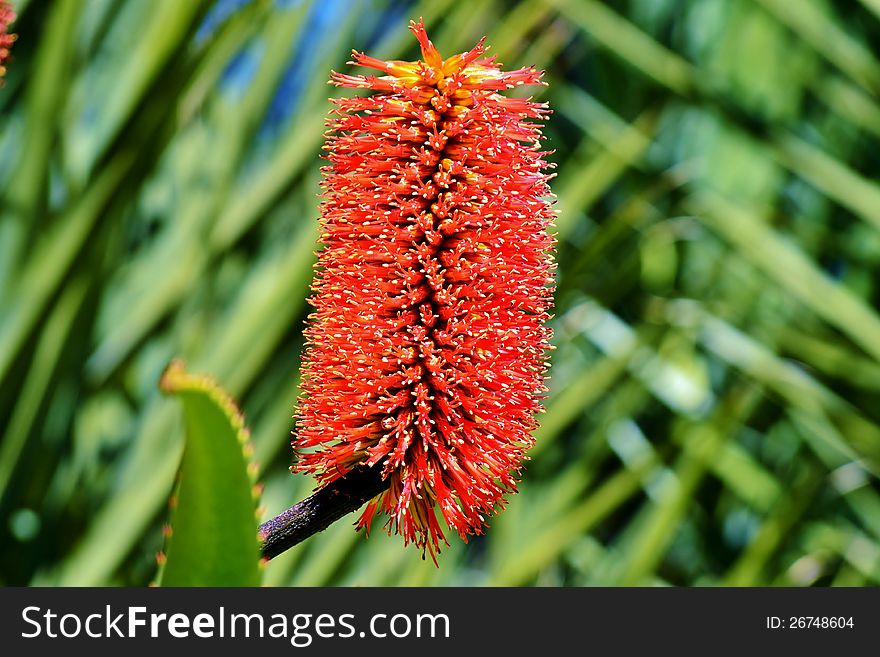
x=791 y=269
x=212 y=539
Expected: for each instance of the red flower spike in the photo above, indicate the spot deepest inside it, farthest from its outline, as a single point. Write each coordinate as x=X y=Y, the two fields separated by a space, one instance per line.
x=426 y=351
x=7 y=16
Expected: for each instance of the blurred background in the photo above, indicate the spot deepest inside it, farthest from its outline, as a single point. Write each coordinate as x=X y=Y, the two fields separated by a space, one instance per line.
x=713 y=414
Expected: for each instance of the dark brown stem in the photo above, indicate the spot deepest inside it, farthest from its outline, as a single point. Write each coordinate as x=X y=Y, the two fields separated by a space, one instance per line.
x=323 y=508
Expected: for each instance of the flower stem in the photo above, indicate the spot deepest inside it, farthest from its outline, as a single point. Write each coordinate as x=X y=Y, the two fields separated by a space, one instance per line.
x=317 y=512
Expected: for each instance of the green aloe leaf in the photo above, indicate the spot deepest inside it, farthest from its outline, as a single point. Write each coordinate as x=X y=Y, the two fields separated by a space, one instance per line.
x=212 y=540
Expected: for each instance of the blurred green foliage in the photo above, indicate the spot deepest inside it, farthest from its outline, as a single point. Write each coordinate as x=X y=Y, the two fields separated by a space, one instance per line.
x=712 y=415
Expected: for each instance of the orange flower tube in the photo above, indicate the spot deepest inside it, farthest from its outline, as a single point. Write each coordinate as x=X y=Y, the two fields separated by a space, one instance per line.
x=427 y=349
x=7 y=16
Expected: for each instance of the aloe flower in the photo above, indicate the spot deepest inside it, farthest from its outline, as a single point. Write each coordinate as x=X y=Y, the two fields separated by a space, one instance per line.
x=7 y=15
x=426 y=351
